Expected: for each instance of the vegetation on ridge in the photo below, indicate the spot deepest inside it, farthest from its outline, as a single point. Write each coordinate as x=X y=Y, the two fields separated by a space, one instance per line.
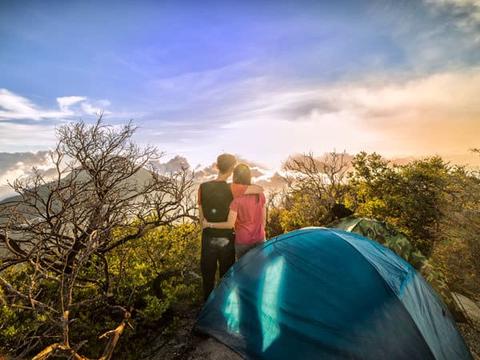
x=110 y=248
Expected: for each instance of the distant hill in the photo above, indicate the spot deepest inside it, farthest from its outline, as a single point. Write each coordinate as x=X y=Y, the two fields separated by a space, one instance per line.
x=142 y=177
x=139 y=179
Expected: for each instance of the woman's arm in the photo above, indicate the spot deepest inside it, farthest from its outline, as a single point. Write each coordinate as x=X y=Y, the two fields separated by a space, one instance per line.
x=264 y=214
x=229 y=224
x=201 y=218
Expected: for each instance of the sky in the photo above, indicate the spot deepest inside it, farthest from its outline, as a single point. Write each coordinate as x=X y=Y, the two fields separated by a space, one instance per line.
x=264 y=79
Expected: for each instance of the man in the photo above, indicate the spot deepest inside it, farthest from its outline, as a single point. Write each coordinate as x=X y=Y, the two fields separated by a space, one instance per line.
x=214 y=198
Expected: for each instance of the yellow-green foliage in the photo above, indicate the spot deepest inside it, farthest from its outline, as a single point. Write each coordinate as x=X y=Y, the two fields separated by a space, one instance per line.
x=301 y=210
x=168 y=255
x=434 y=203
x=17 y=324
x=412 y=197
x=151 y=274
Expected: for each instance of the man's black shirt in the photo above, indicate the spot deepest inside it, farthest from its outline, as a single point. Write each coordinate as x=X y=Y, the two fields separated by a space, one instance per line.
x=215 y=198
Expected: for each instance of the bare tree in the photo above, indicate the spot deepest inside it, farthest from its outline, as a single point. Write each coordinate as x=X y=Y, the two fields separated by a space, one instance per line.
x=319 y=180
x=105 y=193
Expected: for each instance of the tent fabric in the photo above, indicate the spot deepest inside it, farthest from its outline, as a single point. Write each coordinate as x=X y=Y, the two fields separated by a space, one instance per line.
x=320 y=293
x=383 y=233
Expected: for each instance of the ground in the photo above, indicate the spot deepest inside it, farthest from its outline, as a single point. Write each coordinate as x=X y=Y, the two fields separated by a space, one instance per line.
x=471 y=334
x=184 y=344
x=181 y=343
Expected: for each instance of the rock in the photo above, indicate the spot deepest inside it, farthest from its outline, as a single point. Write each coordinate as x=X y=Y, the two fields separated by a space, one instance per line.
x=468 y=306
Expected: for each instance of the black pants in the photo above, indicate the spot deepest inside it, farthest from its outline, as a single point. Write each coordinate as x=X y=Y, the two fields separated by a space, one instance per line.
x=216 y=253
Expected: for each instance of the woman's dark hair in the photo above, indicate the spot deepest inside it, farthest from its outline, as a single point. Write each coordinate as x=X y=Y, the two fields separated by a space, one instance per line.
x=242 y=174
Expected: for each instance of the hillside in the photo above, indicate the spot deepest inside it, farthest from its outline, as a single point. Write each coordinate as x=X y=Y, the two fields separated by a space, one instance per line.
x=123 y=257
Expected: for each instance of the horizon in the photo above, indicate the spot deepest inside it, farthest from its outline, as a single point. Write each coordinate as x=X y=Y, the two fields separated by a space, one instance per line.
x=261 y=79
x=18 y=165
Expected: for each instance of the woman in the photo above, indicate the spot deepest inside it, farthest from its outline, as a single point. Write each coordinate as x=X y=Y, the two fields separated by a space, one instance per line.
x=246 y=216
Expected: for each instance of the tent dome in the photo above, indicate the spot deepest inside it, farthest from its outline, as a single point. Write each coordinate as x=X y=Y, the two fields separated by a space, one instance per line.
x=319 y=293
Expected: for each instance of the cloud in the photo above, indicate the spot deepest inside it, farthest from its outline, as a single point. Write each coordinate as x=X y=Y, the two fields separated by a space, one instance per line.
x=66 y=101
x=16 y=107
x=469 y=8
x=397 y=116
x=175 y=164
x=9 y=161
x=26 y=126
x=16 y=165
x=305 y=108
x=273 y=183
x=432 y=114
x=90 y=109
x=22 y=137
x=14 y=103
x=464 y=13
x=209 y=172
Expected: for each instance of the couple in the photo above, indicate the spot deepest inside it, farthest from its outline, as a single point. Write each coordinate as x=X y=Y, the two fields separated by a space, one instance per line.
x=232 y=217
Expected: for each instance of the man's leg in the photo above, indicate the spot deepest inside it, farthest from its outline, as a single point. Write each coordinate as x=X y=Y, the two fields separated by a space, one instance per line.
x=227 y=257
x=208 y=265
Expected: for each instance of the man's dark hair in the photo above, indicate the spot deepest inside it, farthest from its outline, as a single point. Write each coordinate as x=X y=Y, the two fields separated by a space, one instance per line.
x=225 y=162
x=242 y=174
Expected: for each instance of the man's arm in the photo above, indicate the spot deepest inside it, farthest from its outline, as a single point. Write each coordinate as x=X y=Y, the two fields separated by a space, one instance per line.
x=229 y=224
x=254 y=189
x=240 y=190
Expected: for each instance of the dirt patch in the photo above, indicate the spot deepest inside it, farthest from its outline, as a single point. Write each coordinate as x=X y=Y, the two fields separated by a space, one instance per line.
x=182 y=343
x=212 y=350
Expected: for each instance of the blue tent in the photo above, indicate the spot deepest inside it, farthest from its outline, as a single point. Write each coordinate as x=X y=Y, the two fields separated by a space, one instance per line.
x=320 y=293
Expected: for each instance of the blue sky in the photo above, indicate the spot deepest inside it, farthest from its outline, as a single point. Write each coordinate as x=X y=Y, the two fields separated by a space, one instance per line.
x=260 y=78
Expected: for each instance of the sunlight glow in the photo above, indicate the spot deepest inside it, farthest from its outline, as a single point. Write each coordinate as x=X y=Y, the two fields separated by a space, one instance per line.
x=232 y=311
x=270 y=291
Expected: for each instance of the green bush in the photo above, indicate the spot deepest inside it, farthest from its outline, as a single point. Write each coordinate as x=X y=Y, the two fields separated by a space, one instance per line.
x=151 y=274
x=435 y=204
